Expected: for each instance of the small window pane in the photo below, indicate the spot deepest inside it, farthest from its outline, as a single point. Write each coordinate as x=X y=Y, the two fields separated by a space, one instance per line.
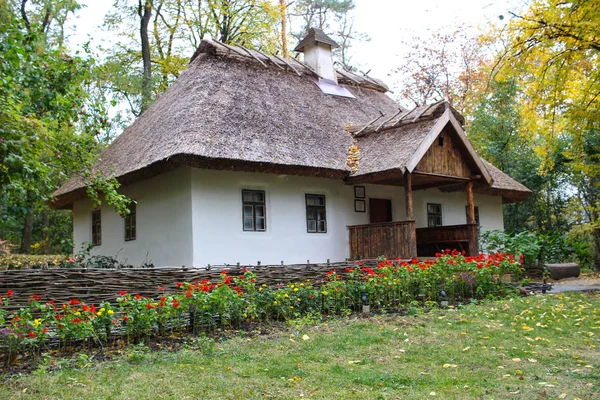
x=260 y=224
x=260 y=211
x=322 y=226
x=248 y=211
x=312 y=226
x=248 y=224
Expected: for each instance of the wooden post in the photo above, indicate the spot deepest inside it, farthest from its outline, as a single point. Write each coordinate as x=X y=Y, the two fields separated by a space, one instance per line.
x=408 y=196
x=473 y=229
x=470 y=203
x=411 y=232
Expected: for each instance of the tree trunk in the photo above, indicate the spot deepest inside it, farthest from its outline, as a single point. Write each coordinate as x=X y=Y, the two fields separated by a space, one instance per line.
x=46 y=230
x=145 y=11
x=284 y=41
x=27 y=236
x=596 y=237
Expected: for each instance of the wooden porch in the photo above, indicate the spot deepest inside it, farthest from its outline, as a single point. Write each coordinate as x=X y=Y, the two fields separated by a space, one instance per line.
x=401 y=239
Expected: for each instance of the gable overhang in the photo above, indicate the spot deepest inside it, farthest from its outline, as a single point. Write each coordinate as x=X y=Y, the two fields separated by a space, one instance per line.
x=448 y=119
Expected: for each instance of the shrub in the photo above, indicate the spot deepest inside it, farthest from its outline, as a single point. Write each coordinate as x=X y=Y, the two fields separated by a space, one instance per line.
x=27 y=261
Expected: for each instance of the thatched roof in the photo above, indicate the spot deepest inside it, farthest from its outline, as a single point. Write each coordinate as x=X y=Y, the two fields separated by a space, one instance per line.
x=240 y=109
x=505 y=186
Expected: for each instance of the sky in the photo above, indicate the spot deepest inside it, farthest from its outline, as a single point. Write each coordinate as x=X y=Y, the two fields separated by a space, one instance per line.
x=388 y=23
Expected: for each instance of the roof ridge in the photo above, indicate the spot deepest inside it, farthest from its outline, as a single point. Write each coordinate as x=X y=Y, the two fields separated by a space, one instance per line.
x=419 y=113
x=218 y=48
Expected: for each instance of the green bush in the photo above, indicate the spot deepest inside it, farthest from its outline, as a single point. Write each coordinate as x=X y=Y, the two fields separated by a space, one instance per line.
x=28 y=261
x=538 y=248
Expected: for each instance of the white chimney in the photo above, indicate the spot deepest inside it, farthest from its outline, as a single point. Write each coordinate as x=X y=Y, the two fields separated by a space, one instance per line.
x=317 y=47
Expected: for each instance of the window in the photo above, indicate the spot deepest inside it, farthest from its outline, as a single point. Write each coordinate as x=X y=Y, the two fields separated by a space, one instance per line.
x=130 y=223
x=476 y=214
x=254 y=210
x=96 y=228
x=434 y=214
x=316 y=221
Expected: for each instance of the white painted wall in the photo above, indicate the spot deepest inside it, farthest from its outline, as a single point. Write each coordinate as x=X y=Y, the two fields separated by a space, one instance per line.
x=164 y=222
x=194 y=217
x=217 y=216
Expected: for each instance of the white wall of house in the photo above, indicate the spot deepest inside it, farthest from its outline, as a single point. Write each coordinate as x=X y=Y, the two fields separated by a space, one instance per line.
x=164 y=222
x=219 y=237
x=194 y=217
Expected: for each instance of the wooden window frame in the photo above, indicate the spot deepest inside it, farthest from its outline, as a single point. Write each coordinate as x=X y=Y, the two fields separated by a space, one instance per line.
x=309 y=207
x=96 y=228
x=129 y=220
x=254 y=205
x=435 y=215
x=476 y=214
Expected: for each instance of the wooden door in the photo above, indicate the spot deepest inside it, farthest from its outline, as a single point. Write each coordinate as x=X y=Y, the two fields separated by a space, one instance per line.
x=380 y=210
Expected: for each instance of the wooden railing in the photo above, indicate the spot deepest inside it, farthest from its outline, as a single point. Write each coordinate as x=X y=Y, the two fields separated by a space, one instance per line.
x=390 y=239
x=460 y=237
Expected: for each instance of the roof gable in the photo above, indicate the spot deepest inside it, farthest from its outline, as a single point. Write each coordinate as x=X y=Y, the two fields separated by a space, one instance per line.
x=461 y=140
x=444 y=157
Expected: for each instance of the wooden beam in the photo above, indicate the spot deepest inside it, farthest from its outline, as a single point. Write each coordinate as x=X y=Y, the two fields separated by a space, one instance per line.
x=443 y=176
x=438 y=185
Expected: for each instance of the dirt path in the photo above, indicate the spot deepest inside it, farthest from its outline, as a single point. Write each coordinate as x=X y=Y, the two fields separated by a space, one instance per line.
x=575 y=284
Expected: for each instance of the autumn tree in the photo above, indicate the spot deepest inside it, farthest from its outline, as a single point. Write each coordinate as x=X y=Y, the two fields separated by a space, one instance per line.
x=553 y=49
x=447 y=65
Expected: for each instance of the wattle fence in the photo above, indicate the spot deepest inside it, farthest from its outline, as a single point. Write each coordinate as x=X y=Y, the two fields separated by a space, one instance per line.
x=94 y=286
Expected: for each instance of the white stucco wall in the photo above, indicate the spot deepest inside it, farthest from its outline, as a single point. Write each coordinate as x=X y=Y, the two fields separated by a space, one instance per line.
x=164 y=222
x=217 y=216
x=194 y=217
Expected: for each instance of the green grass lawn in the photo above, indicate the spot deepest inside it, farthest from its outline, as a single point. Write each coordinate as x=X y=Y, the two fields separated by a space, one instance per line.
x=526 y=348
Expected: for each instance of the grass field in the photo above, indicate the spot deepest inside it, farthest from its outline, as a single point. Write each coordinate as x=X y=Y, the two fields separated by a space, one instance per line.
x=525 y=348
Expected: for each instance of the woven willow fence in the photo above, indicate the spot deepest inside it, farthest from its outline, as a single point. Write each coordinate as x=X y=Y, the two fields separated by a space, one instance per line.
x=93 y=286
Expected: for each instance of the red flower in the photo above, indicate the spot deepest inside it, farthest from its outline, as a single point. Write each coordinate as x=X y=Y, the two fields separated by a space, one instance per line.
x=162 y=288
x=227 y=280
x=122 y=293
x=149 y=306
x=179 y=284
x=176 y=303
x=45 y=330
x=10 y=292
x=76 y=320
x=93 y=309
x=84 y=308
x=74 y=302
x=138 y=296
x=348 y=270
x=32 y=335
x=245 y=269
x=414 y=261
x=35 y=297
x=125 y=318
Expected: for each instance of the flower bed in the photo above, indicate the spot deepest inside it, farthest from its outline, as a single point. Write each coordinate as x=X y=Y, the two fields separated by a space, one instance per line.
x=204 y=306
